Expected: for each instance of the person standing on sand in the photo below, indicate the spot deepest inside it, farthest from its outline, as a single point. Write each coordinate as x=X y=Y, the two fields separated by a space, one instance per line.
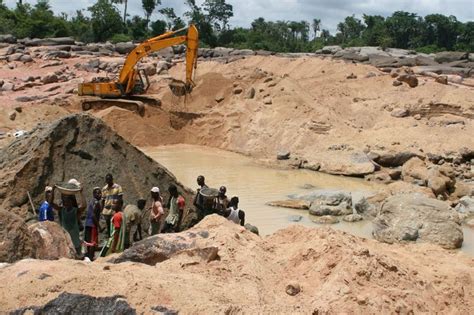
x=176 y=205
x=156 y=211
x=233 y=213
x=221 y=202
x=70 y=216
x=199 y=199
x=46 y=212
x=133 y=215
x=111 y=194
x=91 y=234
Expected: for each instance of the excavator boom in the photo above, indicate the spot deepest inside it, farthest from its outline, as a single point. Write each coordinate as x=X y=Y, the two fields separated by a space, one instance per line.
x=132 y=81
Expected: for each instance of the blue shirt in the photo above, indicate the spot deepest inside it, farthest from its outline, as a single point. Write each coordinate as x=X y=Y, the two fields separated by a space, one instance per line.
x=46 y=212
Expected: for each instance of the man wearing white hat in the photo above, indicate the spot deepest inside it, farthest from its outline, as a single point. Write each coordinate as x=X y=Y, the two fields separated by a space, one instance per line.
x=156 y=210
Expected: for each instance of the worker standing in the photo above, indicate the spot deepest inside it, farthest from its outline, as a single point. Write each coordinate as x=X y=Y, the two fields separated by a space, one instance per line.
x=176 y=205
x=111 y=194
x=156 y=211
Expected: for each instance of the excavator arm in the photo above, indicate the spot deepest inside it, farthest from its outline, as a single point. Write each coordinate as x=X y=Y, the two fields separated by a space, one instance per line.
x=125 y=86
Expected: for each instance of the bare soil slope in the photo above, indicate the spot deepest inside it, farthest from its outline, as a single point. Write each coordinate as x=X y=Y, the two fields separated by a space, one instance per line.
x=325 y=270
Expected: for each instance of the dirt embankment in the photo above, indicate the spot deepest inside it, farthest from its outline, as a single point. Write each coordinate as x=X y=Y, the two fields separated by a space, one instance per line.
x=295 y=270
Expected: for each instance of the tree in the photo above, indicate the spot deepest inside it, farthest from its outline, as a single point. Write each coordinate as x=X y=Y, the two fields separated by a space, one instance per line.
x=218 y=13
x=125 y=5
x=137 y=27
x=196 y=16
x=375 y=34
x=350 y=30
x=405 y=29
x=81 y=27
x=442 y=31
x=158 y=27
x=174 y=22
x=149 y=6
x=316 y=26
x=105 y=20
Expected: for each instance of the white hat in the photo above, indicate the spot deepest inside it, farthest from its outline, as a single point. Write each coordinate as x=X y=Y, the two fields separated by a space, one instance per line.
x=74 y=182
x=48 y=188
x=155 y=190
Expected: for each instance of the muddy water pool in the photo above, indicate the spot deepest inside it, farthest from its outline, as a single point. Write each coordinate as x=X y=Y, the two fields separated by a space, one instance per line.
x=255 y=185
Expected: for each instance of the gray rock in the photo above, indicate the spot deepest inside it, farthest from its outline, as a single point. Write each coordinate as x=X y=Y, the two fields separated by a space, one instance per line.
x=8 y=86
x=57 y=54
x=450 y=56
x=295 y=218
x=325 y=219
x=283 y=155
x=348 y=55
x=238 y=90
x=72 y=303
x=15 y=57
x=250 y=93
x=396 y=52
x=382 y=61
x=372 y=51
x=322 y=207
x=353 y=218
x=267 y=100
x=425 y=61
x=394 y=159
x=331 y=49
x=242 y=52
x=443 y=69
x=7 y=38
x=222 y=52
x=50 y=41
x=49 y=78
x=399 y=112
x=251 y=228
x=124 y=48
x=415 y=217
x=12 y=115
x=465 y=205
x=26 y=58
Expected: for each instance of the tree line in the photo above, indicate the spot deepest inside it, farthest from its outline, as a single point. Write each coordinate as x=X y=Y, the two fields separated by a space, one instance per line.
x=109 y=20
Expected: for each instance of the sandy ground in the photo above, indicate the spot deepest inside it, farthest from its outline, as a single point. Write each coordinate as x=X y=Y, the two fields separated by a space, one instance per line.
x=336 y=273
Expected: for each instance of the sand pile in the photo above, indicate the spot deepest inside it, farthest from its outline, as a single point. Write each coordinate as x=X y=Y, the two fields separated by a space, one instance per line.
x=295 y=270
x=76 y=146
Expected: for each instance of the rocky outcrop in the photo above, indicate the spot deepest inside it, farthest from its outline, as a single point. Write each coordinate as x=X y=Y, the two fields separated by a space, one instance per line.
x=77 y=146
x=50 y=241
x=353 y=164
x=72 y=303
x=15 y=239
x=416 y=218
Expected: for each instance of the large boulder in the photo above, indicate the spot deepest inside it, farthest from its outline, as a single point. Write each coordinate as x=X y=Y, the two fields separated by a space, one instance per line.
x=7 y=38
x=392 y=158
x=51 y=241
x=83 y=147
x=417 y=218
x=124 y=48
x=354 y=164
x=331 y=49
x=49 y=41
x=15 y=239
x=466 y=205
x=450 y=56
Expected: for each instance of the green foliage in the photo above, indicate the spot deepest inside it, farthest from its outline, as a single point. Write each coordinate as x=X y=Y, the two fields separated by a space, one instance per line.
x=149 y=6
x=158 y=27
x=429 y=49
x=105 y=19
x=174 y=22
x=137 y=28
x=118 y=38
x=81 y=28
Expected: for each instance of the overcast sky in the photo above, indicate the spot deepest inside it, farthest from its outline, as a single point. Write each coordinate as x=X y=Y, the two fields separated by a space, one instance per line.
x=330 y=12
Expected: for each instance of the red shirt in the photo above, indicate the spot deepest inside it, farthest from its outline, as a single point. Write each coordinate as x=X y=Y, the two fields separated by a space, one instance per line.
x=117 y=220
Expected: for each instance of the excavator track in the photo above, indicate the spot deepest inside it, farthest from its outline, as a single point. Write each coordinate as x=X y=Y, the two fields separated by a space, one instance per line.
x=103 y=103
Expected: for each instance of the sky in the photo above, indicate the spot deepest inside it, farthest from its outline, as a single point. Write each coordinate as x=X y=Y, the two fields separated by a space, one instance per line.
x=330 y=12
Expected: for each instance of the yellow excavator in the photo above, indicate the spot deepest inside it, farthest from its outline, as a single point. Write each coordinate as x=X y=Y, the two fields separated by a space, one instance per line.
x=125 y=92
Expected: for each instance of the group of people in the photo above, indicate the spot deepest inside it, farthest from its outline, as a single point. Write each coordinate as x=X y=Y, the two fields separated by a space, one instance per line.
x=123 y=226
x=219 y=205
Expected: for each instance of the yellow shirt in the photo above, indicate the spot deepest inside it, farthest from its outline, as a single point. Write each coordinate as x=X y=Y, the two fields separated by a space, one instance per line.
x=110 y=195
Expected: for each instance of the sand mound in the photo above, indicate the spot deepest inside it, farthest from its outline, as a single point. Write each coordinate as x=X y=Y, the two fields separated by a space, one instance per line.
x=296 y=270
x=76 y=146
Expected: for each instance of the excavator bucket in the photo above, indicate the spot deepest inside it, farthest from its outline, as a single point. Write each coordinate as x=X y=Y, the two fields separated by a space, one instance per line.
x=180 y=88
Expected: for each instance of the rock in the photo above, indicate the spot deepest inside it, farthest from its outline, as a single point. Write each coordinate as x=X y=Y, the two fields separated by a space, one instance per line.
x=321 y=208
x=52 y=64
x=16 y=242
x=251 y=228
x=295 y=218
x=71 y=303
x=425 y=61
x=442 y=69
x=250 y=93
x=7 y=38
x=267 y=100
x=351 y=76
x=291 y=203
x=56 y=54
x=220 y=97
x=49 y=78
x=450 y=56
x=26 y=58
x=394 y=159
x=415 y=217
x=353 y=218
x=283 y=155
x=51 y=241
x=363 y=206
x=470 y=223
x=70 y=144
x=150 y=69
x=465 y=205
x=413 y=169
x=15 y=57
x=293 y=289
x=350 y=55
x=409 y=79
x=8 y=86
x=349 y=164
x=12 y=116
x=237 y=90
x=442 y=79
x=18 y=109
x=370 y=75
x=331 y=49
x=417 y=116
x=397 y=83
x=453 y=78
x=242 y=52
x=326 y=219
x=382 y=61
x=399 y=112
x=124 y=48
